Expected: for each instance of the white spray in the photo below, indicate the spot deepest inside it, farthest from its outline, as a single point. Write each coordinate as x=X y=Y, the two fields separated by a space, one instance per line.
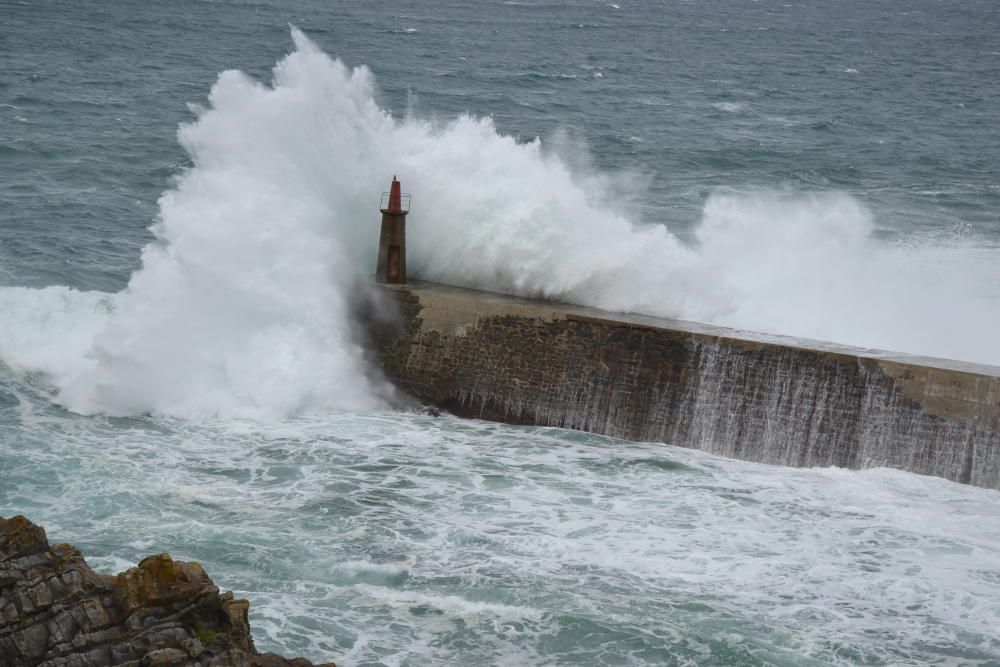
x=242 y=304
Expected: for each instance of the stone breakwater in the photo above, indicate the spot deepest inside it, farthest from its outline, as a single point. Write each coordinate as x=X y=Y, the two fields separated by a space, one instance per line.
x=757 y=397
x=57 y=612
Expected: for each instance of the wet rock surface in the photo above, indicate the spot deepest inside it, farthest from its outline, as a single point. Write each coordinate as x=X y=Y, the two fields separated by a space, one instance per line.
x=57 y=612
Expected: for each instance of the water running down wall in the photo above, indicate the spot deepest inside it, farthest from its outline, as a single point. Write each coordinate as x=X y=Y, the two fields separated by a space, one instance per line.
x=755 y=397
x=242 y=305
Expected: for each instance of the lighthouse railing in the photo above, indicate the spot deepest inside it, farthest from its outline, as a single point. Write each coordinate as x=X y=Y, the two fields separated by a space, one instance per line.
x=404 y=202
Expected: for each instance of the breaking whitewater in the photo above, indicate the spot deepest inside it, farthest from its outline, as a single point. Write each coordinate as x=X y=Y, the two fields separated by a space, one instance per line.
x=263 y=244
x=220 y=409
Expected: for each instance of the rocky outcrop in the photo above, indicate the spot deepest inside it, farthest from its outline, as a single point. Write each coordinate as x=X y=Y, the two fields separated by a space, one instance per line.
x=57 y=612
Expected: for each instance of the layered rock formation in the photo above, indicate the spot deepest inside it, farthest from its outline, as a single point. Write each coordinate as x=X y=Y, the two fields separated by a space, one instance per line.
x=57 y=612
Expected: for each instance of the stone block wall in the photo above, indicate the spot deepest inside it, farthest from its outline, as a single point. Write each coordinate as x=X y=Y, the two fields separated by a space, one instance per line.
x=755 y=397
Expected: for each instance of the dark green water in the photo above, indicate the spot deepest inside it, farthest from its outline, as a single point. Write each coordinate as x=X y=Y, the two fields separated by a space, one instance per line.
x=894 y=102
x=819 y=169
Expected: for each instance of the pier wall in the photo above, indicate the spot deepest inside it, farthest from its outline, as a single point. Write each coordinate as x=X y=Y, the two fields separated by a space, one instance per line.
x=756 y=397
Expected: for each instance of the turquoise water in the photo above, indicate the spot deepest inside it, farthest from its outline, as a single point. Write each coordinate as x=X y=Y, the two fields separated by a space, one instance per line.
x=179 y=367
x=404 y=539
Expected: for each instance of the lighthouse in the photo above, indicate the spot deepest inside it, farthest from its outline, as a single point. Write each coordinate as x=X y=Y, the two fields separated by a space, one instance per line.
x=391 y=267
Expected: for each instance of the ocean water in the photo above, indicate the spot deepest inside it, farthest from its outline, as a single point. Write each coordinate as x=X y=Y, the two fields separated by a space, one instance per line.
x=188 y=216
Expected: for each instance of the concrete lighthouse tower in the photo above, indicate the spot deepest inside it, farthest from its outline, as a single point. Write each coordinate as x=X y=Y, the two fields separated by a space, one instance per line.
x=391 y=267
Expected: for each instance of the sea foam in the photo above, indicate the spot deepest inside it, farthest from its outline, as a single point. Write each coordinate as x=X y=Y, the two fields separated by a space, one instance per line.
x=243 y=303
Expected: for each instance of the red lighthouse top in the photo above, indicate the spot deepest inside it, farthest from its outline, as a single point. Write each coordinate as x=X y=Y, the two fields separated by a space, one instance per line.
x=394 y=196
x=392 y=201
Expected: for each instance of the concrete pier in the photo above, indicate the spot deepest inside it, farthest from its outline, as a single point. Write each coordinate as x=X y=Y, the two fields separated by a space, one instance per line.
x=758 y=397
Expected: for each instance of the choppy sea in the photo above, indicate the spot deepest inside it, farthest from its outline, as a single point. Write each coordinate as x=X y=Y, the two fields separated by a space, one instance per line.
x=188 y=211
